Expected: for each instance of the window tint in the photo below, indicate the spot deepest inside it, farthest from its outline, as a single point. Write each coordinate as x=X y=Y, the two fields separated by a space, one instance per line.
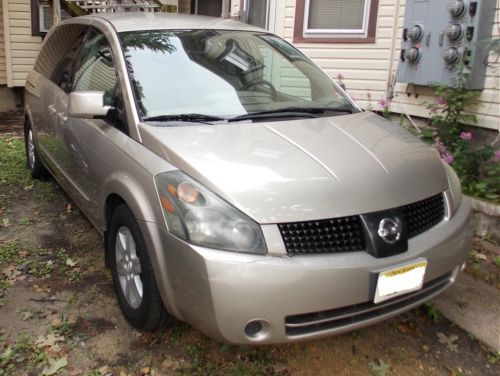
x=59 y=51
x=95 y=70
x=61 y=75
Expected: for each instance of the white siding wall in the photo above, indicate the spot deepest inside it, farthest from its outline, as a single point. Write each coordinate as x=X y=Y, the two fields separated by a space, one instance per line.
x=367 y=67
x=21 y=49
x=3 y=67
x=363 y=65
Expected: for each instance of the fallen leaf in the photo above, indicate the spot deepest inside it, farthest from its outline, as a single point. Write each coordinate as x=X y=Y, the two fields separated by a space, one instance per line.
x=480 y=256
x=11 y=273
x=409 y=328
x=42 y=289
x=49 y=341
x=28 y=187
x=448 y=341
x=280 y=368
x=68 y=208
x=27 y=315
x=6 y=222
x=56 y=322
x=170 y=364
x=380 y=369
x=105 y=371
x=54 y=366
x=71 y=262
x=74 y=371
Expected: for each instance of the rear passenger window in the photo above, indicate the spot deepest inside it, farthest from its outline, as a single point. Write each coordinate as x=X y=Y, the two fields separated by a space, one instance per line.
x=58 y=53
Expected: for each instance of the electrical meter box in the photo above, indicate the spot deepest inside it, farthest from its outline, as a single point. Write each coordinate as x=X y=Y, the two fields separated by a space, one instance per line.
x=440 y=38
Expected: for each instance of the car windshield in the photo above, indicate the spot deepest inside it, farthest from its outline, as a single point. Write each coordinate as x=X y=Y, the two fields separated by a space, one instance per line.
x=214 y=75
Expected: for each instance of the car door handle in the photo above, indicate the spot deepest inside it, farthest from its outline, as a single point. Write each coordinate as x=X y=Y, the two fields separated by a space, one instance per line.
x=62 y=117
x=52 y=109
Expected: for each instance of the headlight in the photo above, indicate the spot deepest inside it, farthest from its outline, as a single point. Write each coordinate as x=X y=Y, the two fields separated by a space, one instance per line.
x=454 y=184
x=200 y=217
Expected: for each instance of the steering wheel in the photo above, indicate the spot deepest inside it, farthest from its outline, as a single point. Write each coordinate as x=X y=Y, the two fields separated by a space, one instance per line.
x=261 y=82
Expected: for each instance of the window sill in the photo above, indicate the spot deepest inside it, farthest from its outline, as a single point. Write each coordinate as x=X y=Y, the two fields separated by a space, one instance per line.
x=305 y=39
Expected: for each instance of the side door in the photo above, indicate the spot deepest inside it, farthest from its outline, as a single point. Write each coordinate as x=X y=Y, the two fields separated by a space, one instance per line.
x=85 y=139
x=53 y=68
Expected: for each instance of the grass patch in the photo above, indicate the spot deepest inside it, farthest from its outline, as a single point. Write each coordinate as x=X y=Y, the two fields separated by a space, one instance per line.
x=9 y=251
x=23 y=353
x=14 y=175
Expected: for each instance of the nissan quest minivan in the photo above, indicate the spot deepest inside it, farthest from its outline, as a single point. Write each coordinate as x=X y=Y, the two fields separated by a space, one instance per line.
x=237 y=187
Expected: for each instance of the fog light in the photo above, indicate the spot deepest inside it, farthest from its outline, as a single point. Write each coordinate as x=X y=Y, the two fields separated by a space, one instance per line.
x=257 y=330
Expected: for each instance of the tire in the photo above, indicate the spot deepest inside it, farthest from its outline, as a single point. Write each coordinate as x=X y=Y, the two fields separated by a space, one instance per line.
x=33 y=161
x=133 y=277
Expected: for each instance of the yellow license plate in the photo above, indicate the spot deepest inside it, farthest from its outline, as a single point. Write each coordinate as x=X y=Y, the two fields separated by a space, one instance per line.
x=400 y=280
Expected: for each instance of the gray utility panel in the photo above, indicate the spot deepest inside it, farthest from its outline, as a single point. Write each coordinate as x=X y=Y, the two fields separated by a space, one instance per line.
x=442 y=37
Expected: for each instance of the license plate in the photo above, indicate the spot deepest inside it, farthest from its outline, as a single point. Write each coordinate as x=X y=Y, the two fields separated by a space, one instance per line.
x=400 y=280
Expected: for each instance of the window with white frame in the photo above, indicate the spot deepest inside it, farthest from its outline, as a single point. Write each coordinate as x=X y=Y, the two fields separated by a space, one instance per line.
x=353 y=20
x=336 y=17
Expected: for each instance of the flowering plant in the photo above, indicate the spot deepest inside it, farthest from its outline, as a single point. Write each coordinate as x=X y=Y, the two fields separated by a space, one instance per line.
x=478 y=166
x=385 y=103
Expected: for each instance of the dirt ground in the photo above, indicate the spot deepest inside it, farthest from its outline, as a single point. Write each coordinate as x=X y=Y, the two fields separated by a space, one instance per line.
x=58 y=313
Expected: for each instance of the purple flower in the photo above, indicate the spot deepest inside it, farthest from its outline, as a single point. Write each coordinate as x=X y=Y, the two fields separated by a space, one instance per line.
x=384 y=102
x=433 y=110
x=440 y=100
x=447 y=157
x=497 y=156
x=439 y=146
x=466 y=136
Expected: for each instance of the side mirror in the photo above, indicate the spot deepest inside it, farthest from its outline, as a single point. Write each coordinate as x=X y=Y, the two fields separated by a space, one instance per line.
x=87 y=104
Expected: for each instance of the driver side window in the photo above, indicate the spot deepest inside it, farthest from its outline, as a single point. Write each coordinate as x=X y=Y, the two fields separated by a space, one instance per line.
x=96 y=70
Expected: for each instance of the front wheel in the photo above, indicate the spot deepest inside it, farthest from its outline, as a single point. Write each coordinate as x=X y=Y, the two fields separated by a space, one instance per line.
x=133 y=277
x=35 y=165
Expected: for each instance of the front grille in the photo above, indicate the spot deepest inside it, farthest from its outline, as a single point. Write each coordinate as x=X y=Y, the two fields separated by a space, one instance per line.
x=343 y=317
x=347 y=234
x=325 y=236
x=422 y=215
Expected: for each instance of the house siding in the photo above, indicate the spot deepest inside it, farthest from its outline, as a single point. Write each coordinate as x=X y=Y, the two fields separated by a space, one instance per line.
x=3 y=66
x=21 y=48
x=368 y=68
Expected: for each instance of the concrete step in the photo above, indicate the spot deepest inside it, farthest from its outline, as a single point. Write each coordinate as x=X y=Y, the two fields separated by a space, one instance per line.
x=475 y=307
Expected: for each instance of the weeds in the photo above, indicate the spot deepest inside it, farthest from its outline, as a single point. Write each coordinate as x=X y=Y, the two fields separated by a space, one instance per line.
x=432 y=312
x=21 y=352
x=9 y=251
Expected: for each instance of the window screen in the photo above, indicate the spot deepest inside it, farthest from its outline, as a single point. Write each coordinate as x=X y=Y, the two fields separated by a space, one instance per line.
x=336 y=14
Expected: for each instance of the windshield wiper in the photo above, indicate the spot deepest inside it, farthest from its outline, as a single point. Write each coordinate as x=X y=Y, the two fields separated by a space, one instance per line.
x=292 y=111
x=197 y=118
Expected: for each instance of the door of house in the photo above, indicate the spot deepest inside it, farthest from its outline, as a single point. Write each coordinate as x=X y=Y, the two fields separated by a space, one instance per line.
x=211 y=8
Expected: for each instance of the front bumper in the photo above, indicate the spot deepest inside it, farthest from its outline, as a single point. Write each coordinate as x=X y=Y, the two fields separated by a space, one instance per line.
x=296 y=298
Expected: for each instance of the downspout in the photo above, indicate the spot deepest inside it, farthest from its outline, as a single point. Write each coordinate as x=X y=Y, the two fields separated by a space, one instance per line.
x=390 y=74
x=56 y=12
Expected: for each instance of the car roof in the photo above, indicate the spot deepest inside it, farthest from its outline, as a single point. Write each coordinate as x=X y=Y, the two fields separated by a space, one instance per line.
x=136 y=21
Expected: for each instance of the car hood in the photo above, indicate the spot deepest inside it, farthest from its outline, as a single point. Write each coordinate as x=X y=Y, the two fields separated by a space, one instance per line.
x=295 y=170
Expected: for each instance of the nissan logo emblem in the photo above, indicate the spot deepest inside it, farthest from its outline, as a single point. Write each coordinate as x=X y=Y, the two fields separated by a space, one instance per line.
x=389 y=230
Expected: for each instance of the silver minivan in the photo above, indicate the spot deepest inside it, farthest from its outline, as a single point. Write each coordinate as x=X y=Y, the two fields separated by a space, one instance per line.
x=237 y=187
